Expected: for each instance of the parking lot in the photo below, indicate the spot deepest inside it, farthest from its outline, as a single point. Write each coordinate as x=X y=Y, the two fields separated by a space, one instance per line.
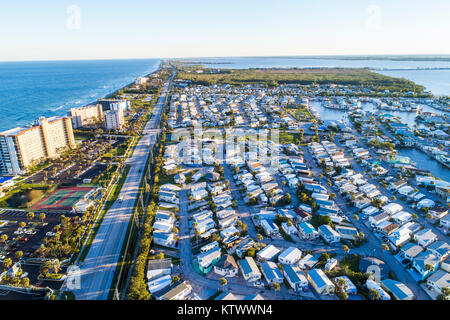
x=71 y=168
x=28 y=239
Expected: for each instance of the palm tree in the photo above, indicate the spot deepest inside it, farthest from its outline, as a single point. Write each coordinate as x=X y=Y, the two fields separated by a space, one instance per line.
x=42 y=217
x=276 y=286
x=342 y=285
x=223 y=282
x=22 y=224
x=30 y=215
x=56 y=266
x=384 y=247
x=445 y=294
x=25 y=282
x=429 y=267
x=4 y=238
x=259 y=237
x=19 y=254
x=175 y=279
x=7 y=263
x=346 y=249
x=355 y=217
x=374 y=294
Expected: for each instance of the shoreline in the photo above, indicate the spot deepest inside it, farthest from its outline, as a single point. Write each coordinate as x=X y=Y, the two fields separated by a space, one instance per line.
x=107 y=96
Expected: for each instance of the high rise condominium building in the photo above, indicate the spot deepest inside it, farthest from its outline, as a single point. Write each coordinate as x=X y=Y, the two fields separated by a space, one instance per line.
x=86 y=115
x=115 y=104
x=114 y=119
x=23 y=147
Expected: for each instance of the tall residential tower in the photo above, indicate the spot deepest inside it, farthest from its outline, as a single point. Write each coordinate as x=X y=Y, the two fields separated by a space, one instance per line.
x=20 y=148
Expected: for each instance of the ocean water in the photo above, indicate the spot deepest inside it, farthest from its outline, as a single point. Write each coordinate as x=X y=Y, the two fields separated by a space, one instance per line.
x=29 y=90
x=436 y=80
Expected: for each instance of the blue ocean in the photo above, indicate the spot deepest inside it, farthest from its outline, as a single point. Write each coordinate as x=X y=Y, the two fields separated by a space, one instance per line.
x=29 y=90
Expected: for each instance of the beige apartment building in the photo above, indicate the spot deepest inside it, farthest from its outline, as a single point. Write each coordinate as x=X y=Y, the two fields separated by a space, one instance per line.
x=86 y=115
x=114 y=119
x=20 y=148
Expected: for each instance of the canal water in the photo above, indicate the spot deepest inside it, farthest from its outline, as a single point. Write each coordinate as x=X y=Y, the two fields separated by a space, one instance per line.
x=424 y=162
x=421 y=159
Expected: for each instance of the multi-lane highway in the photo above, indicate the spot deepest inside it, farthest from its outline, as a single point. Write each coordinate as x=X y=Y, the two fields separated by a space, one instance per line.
x=97 y=270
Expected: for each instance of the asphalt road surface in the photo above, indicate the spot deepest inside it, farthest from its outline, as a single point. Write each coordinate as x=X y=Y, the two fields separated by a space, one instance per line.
x=98 y=268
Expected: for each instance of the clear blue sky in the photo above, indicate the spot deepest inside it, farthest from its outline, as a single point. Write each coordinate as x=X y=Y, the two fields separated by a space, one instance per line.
x=37 y=30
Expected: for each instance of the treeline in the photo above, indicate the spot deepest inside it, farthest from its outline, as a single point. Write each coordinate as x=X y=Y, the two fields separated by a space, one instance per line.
x=137 y=289
x=320 y=76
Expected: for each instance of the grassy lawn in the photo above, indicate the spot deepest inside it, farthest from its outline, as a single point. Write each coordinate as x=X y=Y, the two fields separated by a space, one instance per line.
x=300 y=113
x=164 y=179
x=288 y=137
x=351 y=261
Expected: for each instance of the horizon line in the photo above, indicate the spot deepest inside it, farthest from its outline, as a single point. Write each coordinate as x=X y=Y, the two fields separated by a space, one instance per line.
x=240 y=56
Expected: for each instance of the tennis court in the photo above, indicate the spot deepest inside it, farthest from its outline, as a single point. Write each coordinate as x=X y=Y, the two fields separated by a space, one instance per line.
x=73 y=198
x=57 y=196
x=62 y=199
